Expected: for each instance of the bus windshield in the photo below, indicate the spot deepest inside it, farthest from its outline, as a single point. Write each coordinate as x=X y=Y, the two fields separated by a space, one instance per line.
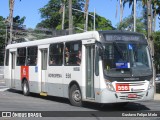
x=124 y=59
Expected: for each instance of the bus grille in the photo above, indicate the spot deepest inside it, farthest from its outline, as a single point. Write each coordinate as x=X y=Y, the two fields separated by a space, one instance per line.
x=135 y=88
x=124 y=96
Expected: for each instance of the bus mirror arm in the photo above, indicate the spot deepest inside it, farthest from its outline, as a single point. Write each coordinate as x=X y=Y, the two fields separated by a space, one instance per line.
x=100 y=49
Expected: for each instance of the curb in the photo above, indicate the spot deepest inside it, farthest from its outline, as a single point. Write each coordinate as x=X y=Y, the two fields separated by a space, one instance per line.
x=3 y=89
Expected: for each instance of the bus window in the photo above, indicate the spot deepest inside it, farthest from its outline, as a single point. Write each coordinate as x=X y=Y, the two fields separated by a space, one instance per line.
x=32 y=56
x=21 y=56
x=56 y=54
x=7 y=58
x=73 y=53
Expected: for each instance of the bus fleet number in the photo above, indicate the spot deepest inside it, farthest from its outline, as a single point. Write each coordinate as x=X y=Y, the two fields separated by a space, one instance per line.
x=122 y=87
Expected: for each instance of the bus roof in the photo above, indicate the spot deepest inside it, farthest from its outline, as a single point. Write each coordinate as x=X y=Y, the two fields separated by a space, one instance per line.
x=67 y=38
x=73 y=37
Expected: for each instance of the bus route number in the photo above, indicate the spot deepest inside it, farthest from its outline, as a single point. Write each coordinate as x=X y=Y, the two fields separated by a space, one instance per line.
x=68 y=75
x=122 y=87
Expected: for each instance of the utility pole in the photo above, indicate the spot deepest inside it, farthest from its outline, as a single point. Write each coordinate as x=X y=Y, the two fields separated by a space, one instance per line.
x=11 y=6
x=134 y=15
x=70 y=18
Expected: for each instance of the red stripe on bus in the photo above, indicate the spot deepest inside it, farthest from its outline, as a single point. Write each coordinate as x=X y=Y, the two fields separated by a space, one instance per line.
x=25 y=72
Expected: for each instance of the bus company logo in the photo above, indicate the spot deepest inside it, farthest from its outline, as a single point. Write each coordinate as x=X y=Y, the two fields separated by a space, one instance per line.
x=24 y=71
x=6 y=114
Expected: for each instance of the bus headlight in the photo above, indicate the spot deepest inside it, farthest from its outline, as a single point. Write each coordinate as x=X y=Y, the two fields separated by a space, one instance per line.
x=109 y=85
x=150 y=84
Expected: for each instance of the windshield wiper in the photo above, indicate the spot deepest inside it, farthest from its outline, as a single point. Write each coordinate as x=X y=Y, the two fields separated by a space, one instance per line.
x=119 y=50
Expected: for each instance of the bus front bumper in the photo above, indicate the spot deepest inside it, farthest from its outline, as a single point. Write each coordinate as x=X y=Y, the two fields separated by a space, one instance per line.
x=114 y=97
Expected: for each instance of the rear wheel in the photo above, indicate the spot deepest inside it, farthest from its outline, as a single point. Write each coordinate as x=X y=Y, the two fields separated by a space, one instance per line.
x=75 y=96
x=25 y=88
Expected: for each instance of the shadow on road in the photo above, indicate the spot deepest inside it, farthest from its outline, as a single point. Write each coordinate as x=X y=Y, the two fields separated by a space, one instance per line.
x=94 y=106
x=113 y=107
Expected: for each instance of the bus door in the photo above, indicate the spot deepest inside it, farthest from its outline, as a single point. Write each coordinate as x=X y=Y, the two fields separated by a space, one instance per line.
x=13 y=57
x=44 y=53
x=90 y=50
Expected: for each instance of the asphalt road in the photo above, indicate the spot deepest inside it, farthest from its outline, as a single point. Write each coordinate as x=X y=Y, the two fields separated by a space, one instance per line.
x=13 y=100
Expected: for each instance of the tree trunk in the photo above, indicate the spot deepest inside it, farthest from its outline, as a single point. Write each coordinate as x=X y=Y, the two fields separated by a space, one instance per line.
x=150 y=38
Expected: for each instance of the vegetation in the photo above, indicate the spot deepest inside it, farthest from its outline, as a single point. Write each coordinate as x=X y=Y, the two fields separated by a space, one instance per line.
x=156 y=37
x=18 y=32
x=2 y=39
x=127 y=24
x=52 y=17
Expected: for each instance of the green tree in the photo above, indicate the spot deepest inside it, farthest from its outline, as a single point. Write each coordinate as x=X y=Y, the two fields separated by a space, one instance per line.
x=103 y=24
x=52 y=17
x=2 y=38
x=19 y=30
x=2 y=30
x=155 y=9
x=156 y=37
x=127 y=24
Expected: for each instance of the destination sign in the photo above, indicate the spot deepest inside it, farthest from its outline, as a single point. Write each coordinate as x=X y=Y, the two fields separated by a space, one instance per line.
x=123 y=37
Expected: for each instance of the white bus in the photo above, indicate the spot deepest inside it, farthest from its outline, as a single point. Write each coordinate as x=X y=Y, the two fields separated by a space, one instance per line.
x=95 y=66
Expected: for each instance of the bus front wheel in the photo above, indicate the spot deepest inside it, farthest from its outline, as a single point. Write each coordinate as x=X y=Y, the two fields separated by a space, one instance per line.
x=75 y=96
x=25 y=88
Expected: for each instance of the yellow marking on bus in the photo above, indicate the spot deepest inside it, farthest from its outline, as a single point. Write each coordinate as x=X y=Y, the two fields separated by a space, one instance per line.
x=43 y=93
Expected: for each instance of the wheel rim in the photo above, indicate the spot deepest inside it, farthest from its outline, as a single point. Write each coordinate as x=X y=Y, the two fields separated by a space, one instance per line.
x=76 y=96
x=25 y=88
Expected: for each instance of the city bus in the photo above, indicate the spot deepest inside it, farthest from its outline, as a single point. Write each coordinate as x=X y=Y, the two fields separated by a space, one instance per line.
x=95 y=66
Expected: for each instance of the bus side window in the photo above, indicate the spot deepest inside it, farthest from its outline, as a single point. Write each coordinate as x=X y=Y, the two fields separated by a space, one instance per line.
x=56 y=54
x=32 y=56
x=73 y=53
x=21 y=56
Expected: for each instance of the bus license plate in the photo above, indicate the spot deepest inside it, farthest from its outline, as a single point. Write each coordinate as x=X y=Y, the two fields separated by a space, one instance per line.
x=132 y=95
x=122 y=87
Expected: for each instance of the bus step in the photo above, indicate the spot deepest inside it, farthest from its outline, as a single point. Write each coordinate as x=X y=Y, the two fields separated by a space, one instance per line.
x=43 y=93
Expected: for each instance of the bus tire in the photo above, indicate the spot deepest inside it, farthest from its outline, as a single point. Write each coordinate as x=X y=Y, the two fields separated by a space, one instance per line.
x=75 y=96
x=25 y=88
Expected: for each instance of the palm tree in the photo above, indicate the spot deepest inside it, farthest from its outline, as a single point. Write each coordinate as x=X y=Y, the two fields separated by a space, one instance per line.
x=11 y=7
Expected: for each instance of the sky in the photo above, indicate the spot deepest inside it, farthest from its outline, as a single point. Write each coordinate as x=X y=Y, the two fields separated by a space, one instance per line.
x=30 y=9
